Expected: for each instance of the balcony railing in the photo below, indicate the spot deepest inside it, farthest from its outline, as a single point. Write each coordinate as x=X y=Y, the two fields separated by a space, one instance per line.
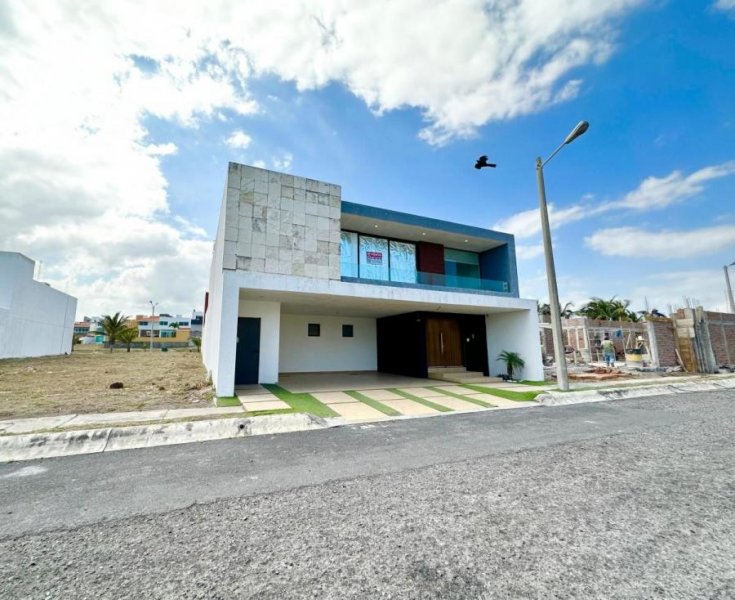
x=372 y=273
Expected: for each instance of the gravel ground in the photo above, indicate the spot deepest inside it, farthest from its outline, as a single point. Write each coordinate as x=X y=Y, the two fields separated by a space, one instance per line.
x=643 y=515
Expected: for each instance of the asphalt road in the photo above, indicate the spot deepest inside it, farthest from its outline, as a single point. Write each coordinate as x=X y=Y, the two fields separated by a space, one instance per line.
x=624 y=499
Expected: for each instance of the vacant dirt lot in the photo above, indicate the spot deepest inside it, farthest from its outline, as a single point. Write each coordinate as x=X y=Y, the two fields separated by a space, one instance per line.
x=80 y=383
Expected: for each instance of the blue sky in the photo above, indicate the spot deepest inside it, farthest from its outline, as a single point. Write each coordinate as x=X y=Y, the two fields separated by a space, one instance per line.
x=642 y=203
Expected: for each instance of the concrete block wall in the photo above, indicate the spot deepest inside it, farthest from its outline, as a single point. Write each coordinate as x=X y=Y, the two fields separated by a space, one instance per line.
x=281 y=224
x=662 y=336
x=722 y=336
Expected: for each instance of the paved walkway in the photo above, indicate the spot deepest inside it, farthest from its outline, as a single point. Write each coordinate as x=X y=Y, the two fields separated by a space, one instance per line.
x=355 y=407
x=380 y=404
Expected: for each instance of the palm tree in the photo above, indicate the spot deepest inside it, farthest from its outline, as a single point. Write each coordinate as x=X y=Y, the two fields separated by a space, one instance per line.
x=512 y=361
x=113 y=326
x=127 y=335
x=197 y=341
x=565 y=311
x=608 y=310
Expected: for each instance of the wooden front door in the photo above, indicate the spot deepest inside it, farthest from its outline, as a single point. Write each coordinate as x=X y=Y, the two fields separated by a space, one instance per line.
x=443 y=342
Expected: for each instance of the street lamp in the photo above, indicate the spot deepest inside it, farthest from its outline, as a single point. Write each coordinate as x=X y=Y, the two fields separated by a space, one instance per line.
x=561 y=364
x=729 y=288
x=153 y=314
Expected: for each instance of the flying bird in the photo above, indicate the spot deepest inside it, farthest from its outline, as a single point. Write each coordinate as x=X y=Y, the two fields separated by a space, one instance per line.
x=482 y=162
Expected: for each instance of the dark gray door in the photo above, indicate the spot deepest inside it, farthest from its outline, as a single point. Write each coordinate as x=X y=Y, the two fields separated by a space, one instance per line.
x=247 y=357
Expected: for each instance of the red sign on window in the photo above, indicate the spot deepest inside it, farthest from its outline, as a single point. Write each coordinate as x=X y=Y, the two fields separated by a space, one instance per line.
x=374 y=258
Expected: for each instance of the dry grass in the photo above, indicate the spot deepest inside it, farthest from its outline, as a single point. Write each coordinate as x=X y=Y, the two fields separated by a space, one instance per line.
x=80 y=383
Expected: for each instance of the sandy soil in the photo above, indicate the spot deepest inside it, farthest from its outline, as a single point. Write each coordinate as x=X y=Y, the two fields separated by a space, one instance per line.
x=80 y=383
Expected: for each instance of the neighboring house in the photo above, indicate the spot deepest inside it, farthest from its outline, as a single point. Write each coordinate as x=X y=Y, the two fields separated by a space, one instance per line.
x=164 y=328
x=81 y=328
x=95 y=334
x=197 y=323
x=35 y=319
x=304 y=282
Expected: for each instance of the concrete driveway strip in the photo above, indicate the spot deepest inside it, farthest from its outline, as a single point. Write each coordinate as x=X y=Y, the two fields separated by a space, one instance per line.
x=623 y=499
x=357 y=411
x=410 y=408
x=332 y=397
x=455 y=403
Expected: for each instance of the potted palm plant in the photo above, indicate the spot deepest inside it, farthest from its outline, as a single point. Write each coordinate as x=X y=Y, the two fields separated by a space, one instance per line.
x=513 y=362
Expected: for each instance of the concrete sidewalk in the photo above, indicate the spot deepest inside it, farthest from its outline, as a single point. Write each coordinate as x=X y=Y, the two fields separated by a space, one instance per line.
x=90 y=420
x=703 y=383
x=24 y=439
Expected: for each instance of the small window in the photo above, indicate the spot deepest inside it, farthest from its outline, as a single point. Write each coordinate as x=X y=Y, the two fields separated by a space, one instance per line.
x=348 y=331
x=314 y=329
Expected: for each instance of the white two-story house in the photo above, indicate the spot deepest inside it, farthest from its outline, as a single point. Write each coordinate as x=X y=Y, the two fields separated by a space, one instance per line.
x=302 y=281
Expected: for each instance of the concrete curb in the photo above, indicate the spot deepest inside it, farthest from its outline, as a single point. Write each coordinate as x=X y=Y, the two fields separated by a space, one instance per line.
x=564 y=398
x=46 y=445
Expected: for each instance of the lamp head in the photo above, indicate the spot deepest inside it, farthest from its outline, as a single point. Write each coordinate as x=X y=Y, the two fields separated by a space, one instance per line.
x=482 y=162
x=581 y=127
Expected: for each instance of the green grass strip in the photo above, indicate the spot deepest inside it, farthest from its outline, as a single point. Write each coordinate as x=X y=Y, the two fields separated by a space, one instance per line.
x=461 y=397
x=386 y=410
x=423 y=401
x=228 y=401
x=305 y=403
x=529 y=382
x=507 y=394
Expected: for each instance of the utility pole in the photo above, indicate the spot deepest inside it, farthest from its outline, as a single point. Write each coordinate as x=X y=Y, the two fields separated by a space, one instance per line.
x=731 y=302
x=153 y=314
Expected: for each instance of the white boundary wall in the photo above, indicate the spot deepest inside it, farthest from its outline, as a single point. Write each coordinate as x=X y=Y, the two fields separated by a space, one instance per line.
x=330 y=351
x=35 y=319
x=516 y=331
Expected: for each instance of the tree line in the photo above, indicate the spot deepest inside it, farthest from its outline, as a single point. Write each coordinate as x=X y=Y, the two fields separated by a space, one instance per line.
x=600 y=309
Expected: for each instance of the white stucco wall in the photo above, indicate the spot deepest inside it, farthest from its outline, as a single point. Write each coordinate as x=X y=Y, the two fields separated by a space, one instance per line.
x=516 y=331
x=35 y=319
x=330 y=351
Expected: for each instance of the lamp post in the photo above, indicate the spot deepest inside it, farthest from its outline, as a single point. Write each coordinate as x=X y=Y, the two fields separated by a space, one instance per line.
x=729 y=288
x=153 y=314
x=561 y=364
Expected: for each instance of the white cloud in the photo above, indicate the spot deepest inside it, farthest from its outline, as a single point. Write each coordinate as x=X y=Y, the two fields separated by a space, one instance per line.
x=639 y=243
x=511 y=58
x=81 y=184
x=161 y=149
x=528 y=251
x=706 y=287
x=653 y=193
x=724 y=5
x=238 y=139
x=283 y=163
x=527 y=224
x=660 y=192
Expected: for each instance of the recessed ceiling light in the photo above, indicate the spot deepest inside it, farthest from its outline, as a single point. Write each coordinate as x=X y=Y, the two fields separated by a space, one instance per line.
x=423 y=233
x=376 y=226
x=466 y=241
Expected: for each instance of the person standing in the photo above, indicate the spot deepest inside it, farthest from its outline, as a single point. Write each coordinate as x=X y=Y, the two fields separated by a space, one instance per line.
x=608 y=352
